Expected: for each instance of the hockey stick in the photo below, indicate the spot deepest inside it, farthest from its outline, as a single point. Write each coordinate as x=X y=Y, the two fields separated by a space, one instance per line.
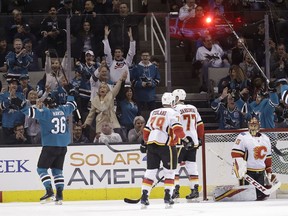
x=249 y=179
x=119 y=150
x=277 y=151
x=134 y=201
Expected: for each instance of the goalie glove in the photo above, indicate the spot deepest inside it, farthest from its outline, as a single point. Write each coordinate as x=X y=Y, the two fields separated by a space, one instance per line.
x=239 y=167
x=143 y=147
x=188 y=143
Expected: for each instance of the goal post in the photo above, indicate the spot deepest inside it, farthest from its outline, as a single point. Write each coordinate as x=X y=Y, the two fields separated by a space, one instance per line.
x=217 y=172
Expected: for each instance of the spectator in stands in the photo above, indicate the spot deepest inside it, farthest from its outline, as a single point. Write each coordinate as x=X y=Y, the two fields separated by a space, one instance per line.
x=100 y=75
x=24 y=86
x=53 y=31
x=145 y=79
x=228 y=115
x=18 y=60
x=119 y=64
x=54 y=70
x=71 y=9
x=32 y=125
x=24 y=33
x=113 y=8
x=107 y=134
x=186 y=13
x=86 y=70
x=136 y=133
x=121 y=23
x=78 y=136
x=3 y=52
x=34 y=65
x=68 y=8
x=210 y=55
x=259 y=45
x=279 y=62
x=12 y=25
x=249 y=67
x=264 y=105
x=85 y=41
x=127 y=110
x=18 y=136
x=10 y=114
x=238 y=52
x=102 y=106
x=97 y=23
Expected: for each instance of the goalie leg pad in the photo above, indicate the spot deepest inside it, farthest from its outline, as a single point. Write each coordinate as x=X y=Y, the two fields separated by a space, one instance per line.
x=234 y=193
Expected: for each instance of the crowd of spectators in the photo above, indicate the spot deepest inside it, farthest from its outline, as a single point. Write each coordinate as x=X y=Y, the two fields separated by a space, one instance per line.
x=113 y=91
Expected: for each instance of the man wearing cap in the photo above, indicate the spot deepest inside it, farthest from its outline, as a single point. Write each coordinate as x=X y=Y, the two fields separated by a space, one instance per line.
x=24 y=86
x=86 y=70
x=10 y=113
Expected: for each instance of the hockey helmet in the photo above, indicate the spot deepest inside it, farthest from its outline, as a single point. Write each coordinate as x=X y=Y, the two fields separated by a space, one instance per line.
x=254 y=124
x=179 y=94
x=50 y=102
x=168 y=99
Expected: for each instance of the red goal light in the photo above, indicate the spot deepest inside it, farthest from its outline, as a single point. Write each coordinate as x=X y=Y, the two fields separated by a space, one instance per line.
x=208 y=20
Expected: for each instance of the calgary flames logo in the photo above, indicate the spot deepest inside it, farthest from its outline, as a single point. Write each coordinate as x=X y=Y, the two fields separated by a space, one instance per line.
x=260 y=152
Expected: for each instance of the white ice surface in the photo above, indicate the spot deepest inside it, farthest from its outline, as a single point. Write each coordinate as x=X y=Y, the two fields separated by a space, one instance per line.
x=270 y=207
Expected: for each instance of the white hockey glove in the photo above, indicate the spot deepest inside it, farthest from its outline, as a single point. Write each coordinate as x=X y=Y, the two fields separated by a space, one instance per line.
x=239 y=167
x=271 y=179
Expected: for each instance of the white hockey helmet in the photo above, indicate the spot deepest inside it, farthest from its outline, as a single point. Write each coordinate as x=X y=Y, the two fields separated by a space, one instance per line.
x=179 y=94
x=168 y=99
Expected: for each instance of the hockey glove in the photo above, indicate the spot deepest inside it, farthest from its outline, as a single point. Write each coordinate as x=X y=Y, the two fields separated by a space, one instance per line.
x=188 y=143
x=270 y=179
x=143 y=147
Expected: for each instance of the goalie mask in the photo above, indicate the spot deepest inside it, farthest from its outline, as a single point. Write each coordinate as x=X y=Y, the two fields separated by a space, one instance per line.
x=168 y=99
x=179 y=95
x=254 y=124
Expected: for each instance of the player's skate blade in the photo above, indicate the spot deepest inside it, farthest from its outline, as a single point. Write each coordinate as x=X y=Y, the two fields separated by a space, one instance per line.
x=48 y=200
x=58 y=202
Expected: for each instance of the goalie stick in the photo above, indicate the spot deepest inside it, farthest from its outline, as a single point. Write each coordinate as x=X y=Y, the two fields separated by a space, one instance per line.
x=119 y=150
x=134 y=201
x=249 y=179
x=277 y=151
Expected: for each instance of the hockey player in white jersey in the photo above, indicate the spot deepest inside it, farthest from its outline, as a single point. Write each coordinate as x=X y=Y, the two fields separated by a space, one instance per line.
x=251 y=153
x=161 y=133
x=194 y=130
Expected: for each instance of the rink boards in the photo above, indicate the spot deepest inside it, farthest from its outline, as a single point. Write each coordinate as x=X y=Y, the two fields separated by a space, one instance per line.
x=93 y=172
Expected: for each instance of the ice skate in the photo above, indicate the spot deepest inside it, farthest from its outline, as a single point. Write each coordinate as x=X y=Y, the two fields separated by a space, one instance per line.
x=168 y=199
x=176 y=194
x=59 y=197
x=192 y=197
x=144 y=199
x=48 y=197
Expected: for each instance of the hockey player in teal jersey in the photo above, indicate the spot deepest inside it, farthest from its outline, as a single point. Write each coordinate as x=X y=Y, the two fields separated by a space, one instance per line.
x=55 y=136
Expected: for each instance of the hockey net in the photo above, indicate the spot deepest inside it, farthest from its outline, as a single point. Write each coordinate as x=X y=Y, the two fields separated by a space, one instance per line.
x=216 y=156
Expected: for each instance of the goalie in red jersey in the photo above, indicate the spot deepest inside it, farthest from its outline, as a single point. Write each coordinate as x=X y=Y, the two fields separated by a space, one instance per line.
x=251 y=154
